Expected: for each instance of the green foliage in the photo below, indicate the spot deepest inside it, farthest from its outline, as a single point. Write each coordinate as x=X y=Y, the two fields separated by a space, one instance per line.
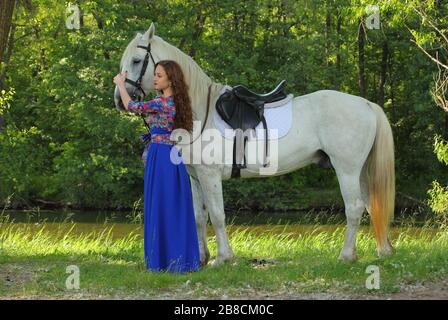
x=439 y=198
x=441 y=149
x=64 y=141
x=5 y=98
x=438 y=194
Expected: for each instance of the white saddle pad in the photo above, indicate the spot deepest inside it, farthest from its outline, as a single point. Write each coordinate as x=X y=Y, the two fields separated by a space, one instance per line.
x=278 y=120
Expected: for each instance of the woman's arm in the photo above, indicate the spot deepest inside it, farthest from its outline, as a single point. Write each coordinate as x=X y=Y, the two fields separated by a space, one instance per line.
x=125 y=98
x=155 y=105
x=119 y=81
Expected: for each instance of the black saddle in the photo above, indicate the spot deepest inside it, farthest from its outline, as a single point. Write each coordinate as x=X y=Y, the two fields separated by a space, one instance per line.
x=243 y=109
x=277 y=94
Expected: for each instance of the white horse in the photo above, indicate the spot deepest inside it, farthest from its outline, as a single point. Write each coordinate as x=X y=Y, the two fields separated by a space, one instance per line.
x=351 y=132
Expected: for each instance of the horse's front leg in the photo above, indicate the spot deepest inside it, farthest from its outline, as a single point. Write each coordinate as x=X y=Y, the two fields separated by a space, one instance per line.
x=211 y=184
x=201 y=219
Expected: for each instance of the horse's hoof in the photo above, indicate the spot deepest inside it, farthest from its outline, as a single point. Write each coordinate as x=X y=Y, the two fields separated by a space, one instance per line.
x=204 y=257
x=216 y=263
x=204 y=261
x=386 y=250
x=221 y=260
x=348 y=257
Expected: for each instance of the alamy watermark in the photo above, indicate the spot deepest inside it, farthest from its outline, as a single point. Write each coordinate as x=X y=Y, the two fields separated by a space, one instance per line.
x=373 y=280
x=72 y=281
x=373 y=21
x=215 y=147
x=73 y=20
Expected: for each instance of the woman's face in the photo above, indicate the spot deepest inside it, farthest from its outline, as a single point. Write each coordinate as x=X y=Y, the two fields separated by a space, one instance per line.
x=161 y=80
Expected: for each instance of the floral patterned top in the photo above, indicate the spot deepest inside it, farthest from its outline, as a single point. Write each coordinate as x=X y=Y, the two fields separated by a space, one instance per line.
x=160 y=114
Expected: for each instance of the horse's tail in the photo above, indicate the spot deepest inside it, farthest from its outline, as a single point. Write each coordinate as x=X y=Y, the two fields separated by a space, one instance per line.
x=381 y=180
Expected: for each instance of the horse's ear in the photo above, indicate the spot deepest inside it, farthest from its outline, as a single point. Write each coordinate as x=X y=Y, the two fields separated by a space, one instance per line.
x=150 y=32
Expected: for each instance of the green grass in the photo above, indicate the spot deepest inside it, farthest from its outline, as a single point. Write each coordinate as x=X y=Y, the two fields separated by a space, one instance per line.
x=33 y=262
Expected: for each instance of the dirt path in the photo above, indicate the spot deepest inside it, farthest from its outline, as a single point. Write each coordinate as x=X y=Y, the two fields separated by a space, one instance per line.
x=13 y=276
x=426 y=291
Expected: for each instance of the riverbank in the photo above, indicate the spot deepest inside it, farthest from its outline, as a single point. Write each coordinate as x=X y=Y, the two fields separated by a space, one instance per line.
x=240 y=197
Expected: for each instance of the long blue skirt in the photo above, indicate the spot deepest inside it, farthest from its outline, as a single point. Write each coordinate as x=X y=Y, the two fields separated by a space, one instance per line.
x=170 y=237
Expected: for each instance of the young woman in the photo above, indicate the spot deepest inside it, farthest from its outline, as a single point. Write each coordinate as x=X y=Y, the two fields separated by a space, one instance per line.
x=170 y=238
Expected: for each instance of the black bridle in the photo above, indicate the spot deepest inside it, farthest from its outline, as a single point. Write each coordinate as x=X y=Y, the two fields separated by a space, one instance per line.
x=139 y=93
x=138 y=84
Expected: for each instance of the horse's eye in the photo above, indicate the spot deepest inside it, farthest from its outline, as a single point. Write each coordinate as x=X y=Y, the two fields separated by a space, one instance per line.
x=136 y=61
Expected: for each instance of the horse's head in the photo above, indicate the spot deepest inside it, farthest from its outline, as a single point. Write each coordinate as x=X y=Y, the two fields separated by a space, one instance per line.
x=138 y=60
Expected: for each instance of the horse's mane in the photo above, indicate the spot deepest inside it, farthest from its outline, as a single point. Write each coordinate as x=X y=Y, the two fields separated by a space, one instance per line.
x=195 y=77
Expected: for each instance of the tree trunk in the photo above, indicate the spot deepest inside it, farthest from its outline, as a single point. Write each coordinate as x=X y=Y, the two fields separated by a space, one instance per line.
x=100 y=25
x=392 y=85
x=283 y=18
x=337 y=83
x=6 y=40
x=383 y=74
x=199 y=28
x=327 y=33
x=441 y=56
x=6 y=11
x=361 y=59
x=7 y=56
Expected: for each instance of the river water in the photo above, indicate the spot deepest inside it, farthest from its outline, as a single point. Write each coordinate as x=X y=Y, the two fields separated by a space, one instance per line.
x=122 y=224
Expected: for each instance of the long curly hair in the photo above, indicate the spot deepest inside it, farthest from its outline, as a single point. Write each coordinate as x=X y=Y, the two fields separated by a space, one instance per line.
x=183 y=117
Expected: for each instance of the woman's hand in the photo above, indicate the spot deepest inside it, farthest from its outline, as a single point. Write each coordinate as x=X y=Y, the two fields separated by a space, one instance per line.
x=120 y=78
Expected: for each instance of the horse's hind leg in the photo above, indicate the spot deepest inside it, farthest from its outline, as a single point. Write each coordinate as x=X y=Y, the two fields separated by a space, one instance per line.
x=354 y=208
x=201 y=218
